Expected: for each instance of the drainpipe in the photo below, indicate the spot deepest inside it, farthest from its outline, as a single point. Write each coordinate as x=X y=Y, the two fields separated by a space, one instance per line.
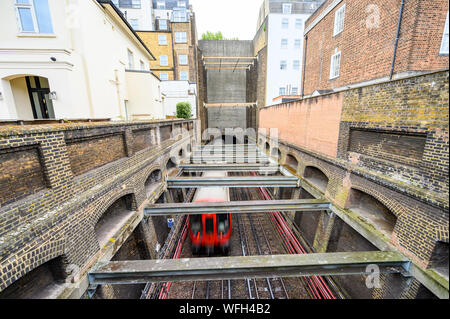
x=396 y=39
x=304 y=65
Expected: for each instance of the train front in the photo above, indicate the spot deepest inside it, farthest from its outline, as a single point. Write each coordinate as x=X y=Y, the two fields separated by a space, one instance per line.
x=210 y=233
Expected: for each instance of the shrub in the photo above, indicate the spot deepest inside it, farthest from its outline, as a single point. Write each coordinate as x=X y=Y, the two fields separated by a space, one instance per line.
x=184 y=110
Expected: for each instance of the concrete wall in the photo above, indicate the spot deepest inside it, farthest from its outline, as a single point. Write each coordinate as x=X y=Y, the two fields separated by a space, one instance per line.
x=227 y=117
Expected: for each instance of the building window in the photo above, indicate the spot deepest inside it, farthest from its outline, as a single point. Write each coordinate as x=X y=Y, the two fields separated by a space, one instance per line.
x=142 y=65
x=180 y=37
x=179 y=16
x=296 y=65
x=298 y=23
x=130 y=60
x=335 y=65
x=164 y=76
x=162 y=24
x=285 y=23
x=339 y=20
x=134 y=23
x=34 y=16
x=184 y=76
x=298 y=43
x=183 y=59
x=282 y=91
x=162 y=39
x=284 y=43
x=444 y=43
x=163 y=60
x=295 y=91
x=287 y=8
x=131 y=4
x=161 y=5
x=283 y=65
x=181 y=4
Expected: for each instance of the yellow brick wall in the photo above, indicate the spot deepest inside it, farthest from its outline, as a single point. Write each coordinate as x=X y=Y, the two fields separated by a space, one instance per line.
x=151 y=41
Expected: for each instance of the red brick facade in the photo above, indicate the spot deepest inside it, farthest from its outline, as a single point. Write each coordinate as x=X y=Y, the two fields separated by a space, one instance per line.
x=368 y=39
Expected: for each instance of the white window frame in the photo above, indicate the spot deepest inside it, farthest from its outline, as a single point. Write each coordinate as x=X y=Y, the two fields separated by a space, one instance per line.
x=294 y=65
x=294 y=91
x=166 y=59
x=298 y=23
x=284 y=43
x=132 y=24
x=181 y=4
x=335 y=65
x=179 y=38
x=444 y=43
x=339 y=19
x=287 y=8
x=299 y=41
x=183 y=61
x=280 y=93
x=161 y=5
x=130 y=60
x=283 y=25
x=179 y=16
x=165 y=21
x=166 y=76
x=162 y=39
x=283 y=63
x=32 y=9
x=181 y=75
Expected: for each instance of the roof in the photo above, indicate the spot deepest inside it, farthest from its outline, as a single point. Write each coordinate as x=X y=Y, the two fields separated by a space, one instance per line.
x=122 y=17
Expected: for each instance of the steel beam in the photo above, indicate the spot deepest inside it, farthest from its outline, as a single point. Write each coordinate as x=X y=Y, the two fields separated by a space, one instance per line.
x=257 y=167
x=238 y=181
x=237 y=207
x=229 y=268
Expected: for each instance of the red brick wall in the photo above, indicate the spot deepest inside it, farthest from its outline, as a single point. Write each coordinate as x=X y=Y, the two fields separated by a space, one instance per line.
x=311 y=123
x=367 y=50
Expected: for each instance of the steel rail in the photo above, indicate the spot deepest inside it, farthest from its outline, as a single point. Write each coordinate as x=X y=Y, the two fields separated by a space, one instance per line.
x=236 y=207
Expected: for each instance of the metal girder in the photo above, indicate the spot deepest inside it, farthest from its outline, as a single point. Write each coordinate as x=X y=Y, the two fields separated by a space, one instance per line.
x=228 y=268
x=237 y=207
x=257 y=167
x=238 y=181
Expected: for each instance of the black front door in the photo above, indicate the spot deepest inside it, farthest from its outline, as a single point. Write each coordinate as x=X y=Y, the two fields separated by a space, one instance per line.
x=39 y=93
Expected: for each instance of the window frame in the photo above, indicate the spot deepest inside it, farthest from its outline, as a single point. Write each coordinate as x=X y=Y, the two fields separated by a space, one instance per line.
x=280 y=93
x=286 y=5
x=163 y=7
x=180 y=61
x=294 y=64
x=283 y=64
x=32 y=8
x=165 y=24
x=161 y=78
x=137 y=21
x=284 y=46
x=294 y=90
x=298 y=23
x=181 y=6
x=130 y=59
x=187 y=75
x=161 y=60
x=339 y=21
x=177 y=40
x=333 y=66
x=283 y=24
x=160 y=36
x=446 y=32
x=299 y=41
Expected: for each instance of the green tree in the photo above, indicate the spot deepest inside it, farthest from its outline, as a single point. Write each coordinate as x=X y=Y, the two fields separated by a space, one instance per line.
x=215 y=36
x=184 y=110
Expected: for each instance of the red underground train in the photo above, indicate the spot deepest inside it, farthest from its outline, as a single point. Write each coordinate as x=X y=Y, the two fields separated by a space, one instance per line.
x=210 y=233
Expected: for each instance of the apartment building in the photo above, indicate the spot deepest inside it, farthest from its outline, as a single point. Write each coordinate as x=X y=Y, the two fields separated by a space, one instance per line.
x=139 y=13
x=353 y=43
x=280 y=30
x=63 y=60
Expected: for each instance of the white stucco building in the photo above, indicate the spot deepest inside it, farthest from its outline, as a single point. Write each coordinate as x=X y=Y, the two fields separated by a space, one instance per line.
x=73 y=59
x=179 y=91
x=284 y=22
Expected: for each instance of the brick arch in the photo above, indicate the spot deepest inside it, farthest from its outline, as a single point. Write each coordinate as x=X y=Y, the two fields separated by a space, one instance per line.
x=98 y=212
x=295 y=157
x=148 y=170
x=317 y=166
x=48 y=251
x=397 y=210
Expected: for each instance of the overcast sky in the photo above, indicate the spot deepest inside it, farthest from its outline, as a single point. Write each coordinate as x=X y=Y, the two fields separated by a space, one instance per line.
x=235 y=18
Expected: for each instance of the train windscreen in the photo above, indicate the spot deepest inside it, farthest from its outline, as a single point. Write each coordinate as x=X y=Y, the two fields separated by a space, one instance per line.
x=223 y=223
x=196 y=224
x=209 y=226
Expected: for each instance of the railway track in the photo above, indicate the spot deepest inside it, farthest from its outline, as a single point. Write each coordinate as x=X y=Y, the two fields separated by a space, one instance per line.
x=253 y=234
